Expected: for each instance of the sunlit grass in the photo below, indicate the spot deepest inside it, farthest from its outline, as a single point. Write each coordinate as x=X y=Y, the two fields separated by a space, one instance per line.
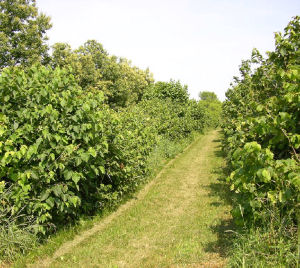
x=175 y=224
x=164 y=151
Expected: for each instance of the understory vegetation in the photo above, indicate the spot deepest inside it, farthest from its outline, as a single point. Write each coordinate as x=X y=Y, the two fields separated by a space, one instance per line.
x=262 y=141
x=79 y=129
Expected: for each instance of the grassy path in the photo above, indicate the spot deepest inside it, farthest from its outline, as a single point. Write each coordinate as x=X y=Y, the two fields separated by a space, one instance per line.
x=176 y=221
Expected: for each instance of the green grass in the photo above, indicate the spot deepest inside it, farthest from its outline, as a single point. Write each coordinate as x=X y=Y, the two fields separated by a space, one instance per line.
x=179 y=219
x=176 y=221
x=15 y=240
x=17 y=232
x=164 y=151
x=271 y=245
x=48 y=246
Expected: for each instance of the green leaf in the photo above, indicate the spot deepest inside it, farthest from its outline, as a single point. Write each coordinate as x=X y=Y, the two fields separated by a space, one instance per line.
x=295 y=139
x=74 y=200
x=265 y=175
x=102 y=169
x=272 y=196
x=44 y=196
x=50 y=202
x=16 y=125
x=92 y=151
x=85 y=157
x=23 y=149
x=75 y=177
x=68 y=174
x=78 y=161
x=57 y=190
x=296 y=182
x=259 y=108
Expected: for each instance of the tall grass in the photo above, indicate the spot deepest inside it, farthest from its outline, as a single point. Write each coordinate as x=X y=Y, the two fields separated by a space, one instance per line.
x=17 y=232
x=166 y=149
x=273 y=244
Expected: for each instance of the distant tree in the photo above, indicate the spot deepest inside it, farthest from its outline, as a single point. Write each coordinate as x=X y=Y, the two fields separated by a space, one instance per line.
x=96 y=51
x=213 y=107
x=82 y=64
x=173 y=90
x=62 y=55
x=208 y=96
x=121 y=83
x=22 y=33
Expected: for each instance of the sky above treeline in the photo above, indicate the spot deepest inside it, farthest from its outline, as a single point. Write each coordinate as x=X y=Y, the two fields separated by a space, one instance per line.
x=199 y=42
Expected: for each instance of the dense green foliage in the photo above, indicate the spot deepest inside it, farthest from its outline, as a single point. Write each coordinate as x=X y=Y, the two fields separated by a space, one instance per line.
x=262 y=135
x=51 y=141
x=121 y=83
x=210 y=103
x=208 y=96
x=64 y=152
x=22 y=33
x=168 y=90
x=78 y=128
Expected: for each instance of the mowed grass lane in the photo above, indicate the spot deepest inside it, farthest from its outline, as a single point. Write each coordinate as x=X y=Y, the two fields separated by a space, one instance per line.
x=177 y=221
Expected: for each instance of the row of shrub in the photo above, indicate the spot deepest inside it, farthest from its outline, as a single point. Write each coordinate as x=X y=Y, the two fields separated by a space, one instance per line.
x=62 y=149
x=78 y=128
x=262 y=141
x=64 y=152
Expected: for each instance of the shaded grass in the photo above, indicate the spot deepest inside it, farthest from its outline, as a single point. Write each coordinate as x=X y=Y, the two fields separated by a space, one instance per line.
x=220 y=189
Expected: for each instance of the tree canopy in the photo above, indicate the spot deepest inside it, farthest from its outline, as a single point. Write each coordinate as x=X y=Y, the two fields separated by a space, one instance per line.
x=208 y=96
x=172 y=90
x=22 y=33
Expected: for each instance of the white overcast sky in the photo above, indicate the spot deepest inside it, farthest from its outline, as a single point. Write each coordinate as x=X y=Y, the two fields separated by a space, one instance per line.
x=199 y=42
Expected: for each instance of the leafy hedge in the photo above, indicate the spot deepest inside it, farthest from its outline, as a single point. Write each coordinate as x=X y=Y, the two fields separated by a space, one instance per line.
x=79 y=134
x=60 y=145
x=64 y=152
x=262 y=133
x=53 y=142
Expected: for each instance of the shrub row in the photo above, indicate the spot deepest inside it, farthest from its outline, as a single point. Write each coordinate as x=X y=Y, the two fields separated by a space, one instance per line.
x=262 y=133
x=64 y=152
